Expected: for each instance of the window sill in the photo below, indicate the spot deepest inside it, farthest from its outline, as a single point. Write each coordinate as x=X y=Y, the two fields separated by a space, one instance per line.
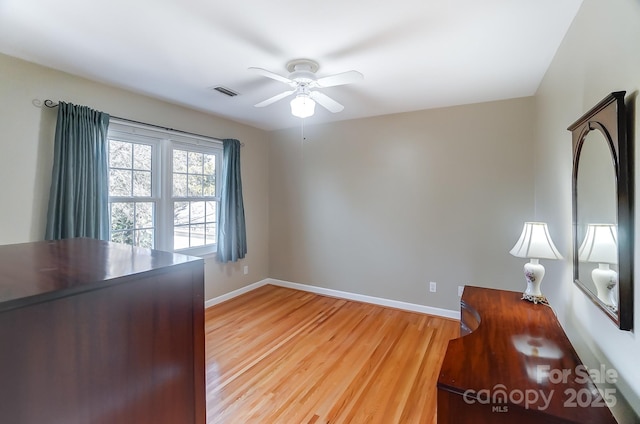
x=204 y=252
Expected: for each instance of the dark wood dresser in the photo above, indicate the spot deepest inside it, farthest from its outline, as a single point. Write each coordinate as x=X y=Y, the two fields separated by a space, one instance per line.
x=514 y=364
x=93 y=332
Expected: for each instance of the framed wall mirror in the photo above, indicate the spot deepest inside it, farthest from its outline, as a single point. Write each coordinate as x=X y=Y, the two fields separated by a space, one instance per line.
x=602 y=186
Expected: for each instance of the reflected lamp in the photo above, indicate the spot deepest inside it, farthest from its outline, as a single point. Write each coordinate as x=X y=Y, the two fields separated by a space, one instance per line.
x=600 y=246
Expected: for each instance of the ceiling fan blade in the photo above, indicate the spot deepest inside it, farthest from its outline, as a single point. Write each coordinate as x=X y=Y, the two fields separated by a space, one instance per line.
x=275 y=98
x=271 y=75
x=326 y=102
x=340 y=79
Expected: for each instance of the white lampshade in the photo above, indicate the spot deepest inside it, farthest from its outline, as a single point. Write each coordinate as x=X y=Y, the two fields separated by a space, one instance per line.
x=535 y=242
x=600 y=244
x=302 y=106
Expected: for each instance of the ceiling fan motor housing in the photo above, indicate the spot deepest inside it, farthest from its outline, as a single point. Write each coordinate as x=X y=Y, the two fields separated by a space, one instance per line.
x=302 y=70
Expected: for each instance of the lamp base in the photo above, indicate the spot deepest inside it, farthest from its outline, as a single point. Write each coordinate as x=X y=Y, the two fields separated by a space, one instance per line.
x=605 y=280
x=534 y=273
x=535 y=299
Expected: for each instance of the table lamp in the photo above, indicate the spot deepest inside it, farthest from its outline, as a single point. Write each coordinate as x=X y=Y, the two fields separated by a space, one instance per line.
x=535 y=243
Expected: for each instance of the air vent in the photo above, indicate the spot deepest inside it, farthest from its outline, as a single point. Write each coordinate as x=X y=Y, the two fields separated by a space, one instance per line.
x=225 y=91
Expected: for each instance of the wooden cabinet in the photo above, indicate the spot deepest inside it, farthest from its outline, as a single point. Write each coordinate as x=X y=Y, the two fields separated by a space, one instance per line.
x=514 y=364
x=94 y=332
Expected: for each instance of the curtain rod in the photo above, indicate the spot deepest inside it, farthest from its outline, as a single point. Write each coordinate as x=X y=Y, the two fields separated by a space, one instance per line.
x=51 y=104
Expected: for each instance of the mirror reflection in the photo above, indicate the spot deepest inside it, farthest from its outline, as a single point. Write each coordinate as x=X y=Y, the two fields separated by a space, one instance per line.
x=596 y=226
x=602 y=186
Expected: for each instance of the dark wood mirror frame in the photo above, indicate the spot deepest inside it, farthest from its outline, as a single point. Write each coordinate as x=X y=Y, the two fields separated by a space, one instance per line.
x=609 y=118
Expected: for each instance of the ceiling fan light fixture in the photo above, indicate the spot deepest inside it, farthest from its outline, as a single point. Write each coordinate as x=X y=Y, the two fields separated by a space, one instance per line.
x=302 y=106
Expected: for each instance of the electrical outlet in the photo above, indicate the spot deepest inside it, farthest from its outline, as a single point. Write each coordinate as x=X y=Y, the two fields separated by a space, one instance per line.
x=460 y=289
x=432 y=287
x=246 y=269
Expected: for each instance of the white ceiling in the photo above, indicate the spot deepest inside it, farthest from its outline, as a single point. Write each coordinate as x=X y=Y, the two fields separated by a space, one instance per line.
x=414 y=54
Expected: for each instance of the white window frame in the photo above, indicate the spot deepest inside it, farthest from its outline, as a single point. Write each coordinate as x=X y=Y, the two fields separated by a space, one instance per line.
x=164 y=142
x=154 y=198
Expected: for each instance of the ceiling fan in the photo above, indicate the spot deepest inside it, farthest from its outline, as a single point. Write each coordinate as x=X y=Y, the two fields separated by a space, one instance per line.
x=303 y=82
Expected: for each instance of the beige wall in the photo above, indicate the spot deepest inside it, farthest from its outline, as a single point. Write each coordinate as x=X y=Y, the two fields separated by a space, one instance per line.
x=26 y=150
x=382 y=206
x=599 y=55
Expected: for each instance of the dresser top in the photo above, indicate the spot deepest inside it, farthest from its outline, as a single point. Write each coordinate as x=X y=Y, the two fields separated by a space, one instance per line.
x=519 y=347
x=39 y=271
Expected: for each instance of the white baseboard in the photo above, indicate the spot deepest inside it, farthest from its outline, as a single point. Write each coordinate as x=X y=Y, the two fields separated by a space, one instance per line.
x=413 y=307
x=235 y=293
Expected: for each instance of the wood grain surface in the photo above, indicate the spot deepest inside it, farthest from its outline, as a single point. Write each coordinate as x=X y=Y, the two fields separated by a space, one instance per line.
x=93 y=332
x=276 y=355
x=517 y=348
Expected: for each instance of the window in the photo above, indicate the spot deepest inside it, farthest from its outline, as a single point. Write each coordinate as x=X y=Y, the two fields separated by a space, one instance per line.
x=194 y=198
x=131 y=203
x=162 y=188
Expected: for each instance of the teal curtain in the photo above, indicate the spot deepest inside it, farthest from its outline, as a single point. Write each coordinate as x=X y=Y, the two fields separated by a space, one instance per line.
x=79 y=195
x=232 y=235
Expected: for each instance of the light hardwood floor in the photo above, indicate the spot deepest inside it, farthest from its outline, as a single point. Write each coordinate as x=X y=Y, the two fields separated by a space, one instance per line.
x=276 y=355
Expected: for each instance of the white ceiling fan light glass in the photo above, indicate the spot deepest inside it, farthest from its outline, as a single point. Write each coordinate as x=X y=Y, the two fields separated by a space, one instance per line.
x=302 y=106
